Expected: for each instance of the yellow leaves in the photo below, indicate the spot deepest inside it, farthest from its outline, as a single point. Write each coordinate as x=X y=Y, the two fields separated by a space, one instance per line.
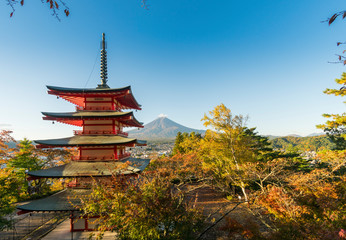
x=335 y=159
x=336 y=127
x=220 y=117
x=342 y=90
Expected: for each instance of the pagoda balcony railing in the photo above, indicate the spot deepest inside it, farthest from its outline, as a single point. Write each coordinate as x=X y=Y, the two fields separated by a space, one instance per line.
x=93 y=132
x=94 y=108
x=118 y=157
x=118 y=132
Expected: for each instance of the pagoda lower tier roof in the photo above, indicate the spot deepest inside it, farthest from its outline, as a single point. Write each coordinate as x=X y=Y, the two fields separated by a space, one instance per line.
x=75 y=118
x=76 y=95
x=92 y=168
x=89 y=140
x=65 y=200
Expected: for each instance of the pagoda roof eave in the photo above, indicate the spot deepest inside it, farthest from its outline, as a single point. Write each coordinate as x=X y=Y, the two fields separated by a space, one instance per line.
x=75 y=118
x=65 y=200
x=92 y=168
x=129 y=101
x=87 y=90
x=122 y=95
x=89 y=140
x=88 y=114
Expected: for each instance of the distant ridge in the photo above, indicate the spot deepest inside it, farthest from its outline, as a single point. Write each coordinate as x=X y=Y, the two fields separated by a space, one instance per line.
x=316 y=134
x=293 y=135
x=161 y=128
x=312 y=143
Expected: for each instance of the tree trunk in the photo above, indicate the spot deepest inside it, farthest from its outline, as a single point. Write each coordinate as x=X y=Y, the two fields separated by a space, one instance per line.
x=244 y=192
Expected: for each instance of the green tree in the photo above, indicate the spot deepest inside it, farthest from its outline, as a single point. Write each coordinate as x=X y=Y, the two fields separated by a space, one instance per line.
x=336 y=126
x=27 y=157
x=178 y=140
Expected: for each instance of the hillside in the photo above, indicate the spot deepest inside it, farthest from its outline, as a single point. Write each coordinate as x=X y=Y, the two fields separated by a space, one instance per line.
x=161 y=128
x=315 y=143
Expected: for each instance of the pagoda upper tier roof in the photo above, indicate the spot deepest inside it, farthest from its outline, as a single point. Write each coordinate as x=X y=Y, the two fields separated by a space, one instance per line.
x=89 y=140
x=76 y=118
x=76 y=95
x=65 y=200
x=94 y=169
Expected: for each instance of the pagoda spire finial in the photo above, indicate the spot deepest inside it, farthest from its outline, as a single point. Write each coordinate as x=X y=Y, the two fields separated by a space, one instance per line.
x=103 y=64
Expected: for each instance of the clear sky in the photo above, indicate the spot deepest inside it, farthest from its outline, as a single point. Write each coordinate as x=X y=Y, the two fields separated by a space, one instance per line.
x=265 y=59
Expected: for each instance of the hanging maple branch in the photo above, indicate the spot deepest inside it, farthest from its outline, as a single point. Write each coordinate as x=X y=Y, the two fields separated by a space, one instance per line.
x=341 y=58
x=55 y=6
x=335 y=16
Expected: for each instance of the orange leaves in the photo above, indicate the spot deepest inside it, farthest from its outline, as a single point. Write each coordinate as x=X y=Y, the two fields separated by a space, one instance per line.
x=67 y=12
x=51 y=4
x=335 y=15
x=281 y=204
x=332 y=19
x=179 y=168
x=310 y=203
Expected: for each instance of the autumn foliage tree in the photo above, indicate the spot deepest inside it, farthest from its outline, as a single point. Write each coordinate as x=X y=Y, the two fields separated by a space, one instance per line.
x=309 y=205
x=146 y=208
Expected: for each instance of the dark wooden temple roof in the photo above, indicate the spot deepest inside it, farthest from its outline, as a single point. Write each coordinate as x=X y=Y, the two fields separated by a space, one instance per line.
x=93 y=168
x=89 y=140
x=88 y=90
x=65 y=200
x=86 y=114
x=127 y=118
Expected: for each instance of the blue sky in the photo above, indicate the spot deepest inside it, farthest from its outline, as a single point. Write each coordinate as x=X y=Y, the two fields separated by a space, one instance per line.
x=265 y=59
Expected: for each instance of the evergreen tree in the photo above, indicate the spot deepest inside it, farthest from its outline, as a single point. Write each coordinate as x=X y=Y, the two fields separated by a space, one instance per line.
x=178 y=140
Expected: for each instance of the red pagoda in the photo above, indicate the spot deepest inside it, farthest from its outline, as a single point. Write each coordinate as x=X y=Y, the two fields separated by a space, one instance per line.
x=101 y=143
